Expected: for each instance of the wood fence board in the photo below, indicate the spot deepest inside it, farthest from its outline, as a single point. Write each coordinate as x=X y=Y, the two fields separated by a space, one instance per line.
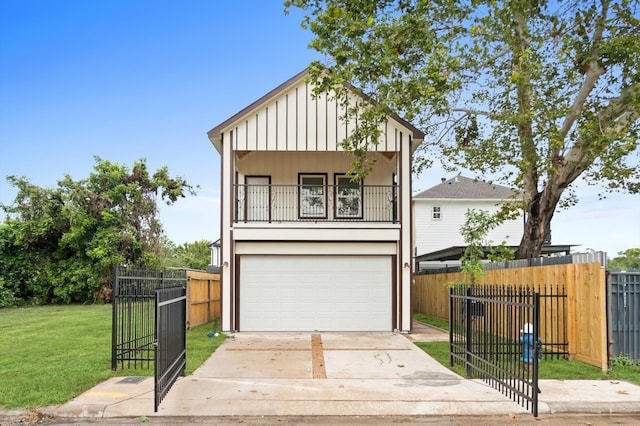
x=203 y=297
x=584 y=312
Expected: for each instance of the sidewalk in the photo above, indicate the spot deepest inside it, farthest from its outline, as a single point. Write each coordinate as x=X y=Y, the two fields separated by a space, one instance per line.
x=359 y=374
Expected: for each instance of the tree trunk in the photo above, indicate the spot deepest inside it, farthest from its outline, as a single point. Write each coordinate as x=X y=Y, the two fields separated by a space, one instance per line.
x=540 y=211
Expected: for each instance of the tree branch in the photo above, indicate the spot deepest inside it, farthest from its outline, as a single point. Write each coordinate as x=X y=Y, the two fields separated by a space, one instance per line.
x=530 y=174
x=468 y=111
x=593 y=71
x=617 y=117
x=618 y=108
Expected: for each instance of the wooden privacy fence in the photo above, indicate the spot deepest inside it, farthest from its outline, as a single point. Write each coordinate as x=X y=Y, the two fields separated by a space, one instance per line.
x=583 y=314
x=203 y=297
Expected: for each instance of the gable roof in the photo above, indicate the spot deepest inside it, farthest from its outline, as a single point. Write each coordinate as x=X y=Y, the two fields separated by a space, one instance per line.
x=215 y=134
x=464 y=188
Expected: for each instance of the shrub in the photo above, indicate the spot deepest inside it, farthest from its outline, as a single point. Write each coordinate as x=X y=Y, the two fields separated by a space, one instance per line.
x=622 y=360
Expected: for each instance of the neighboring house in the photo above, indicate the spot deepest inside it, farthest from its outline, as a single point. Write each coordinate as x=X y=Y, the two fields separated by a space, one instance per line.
x=214 y=263
x=439 y=212
x=302 y=247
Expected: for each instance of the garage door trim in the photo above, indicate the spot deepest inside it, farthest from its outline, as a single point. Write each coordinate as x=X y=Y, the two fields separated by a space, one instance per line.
x=374 y=293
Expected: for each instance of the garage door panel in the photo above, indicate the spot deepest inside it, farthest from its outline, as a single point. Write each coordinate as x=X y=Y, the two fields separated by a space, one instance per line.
x=308 y=293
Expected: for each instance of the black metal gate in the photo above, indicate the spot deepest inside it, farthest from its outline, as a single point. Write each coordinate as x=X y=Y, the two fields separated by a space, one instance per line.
x=149 y=324
x=493 y=333
x=170 y=342
x=133 y=317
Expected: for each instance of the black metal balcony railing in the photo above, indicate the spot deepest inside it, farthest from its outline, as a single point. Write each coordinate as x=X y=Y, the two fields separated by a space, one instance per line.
x=316 y=203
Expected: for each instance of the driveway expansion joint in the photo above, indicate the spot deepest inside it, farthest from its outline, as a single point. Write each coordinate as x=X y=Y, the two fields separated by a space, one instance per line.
x=317 y=357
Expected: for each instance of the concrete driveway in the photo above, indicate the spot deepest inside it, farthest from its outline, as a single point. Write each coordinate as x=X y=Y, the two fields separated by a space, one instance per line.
x=332 y=374
x=279 y=374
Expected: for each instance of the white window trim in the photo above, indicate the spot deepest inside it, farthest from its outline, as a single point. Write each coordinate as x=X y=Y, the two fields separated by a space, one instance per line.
x=309 y=192
x=436 y=214
x=338 y=197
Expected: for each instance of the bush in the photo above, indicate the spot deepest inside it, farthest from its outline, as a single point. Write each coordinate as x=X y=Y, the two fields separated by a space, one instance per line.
x=622 y=360
x=7 y=298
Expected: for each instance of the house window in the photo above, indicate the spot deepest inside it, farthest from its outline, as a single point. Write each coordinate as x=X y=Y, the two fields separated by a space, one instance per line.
x=436 y=213
x=348 y=197
x=313 y=196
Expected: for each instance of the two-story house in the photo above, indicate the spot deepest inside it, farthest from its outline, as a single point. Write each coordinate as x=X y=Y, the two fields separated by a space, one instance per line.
x=303 y=248
x=439 y=212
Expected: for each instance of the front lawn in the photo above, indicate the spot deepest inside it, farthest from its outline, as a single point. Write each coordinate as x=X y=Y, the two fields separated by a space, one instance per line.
x=50 y=354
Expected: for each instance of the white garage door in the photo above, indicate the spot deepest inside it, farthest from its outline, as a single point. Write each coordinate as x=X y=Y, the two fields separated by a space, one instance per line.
x=315 y=293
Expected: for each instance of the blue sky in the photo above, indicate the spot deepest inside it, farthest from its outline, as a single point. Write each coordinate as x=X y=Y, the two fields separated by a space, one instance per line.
x=126 y=80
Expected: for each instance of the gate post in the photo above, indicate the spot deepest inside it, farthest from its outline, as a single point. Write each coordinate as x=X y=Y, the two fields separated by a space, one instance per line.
x=208 y=299
x=156 y=369
x=114 y=318
x=451 y=326
x=469 y=319
x=537 y=348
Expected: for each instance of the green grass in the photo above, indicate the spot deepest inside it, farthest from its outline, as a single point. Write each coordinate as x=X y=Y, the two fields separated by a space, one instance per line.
x=559 y=369
x=50 y=354
x=436 y=322
x=440 y=352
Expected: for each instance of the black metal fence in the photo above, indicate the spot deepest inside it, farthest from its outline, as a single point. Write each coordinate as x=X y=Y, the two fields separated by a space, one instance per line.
x=134 y=317
x=494 y=333
x=170 y=343
x=553 y=321
x=319 y=203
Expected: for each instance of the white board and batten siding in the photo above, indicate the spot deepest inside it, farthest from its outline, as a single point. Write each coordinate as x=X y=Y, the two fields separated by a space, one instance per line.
x=297 y=121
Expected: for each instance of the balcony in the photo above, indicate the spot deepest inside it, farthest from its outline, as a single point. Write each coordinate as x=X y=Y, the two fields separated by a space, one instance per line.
x=316 y=202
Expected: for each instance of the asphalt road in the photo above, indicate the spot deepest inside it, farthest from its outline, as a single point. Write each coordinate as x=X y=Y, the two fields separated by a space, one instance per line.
x=35 y=418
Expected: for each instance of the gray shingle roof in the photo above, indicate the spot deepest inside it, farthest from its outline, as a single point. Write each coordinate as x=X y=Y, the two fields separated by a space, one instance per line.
x=460 y=187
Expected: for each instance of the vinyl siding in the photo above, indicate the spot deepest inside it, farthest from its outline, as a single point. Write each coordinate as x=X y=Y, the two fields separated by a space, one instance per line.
x=432 y=235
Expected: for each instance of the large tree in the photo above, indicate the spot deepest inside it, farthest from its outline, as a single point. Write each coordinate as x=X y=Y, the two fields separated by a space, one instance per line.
x=529 y=93
x=59 y=244
x=627 y=259
x=195 y=255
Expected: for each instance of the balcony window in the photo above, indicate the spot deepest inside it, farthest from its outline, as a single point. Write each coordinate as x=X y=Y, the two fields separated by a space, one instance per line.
x=313 y=196
x=348 y=197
